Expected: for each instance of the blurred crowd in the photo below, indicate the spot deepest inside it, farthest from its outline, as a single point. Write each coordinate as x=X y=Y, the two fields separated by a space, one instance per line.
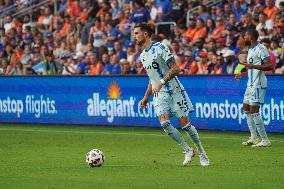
x=93 y=37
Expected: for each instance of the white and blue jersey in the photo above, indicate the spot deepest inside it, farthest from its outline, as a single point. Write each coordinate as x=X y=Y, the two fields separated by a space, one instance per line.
x=257 y=82
x=256 y=56
x=156 y=61
x=172 y=98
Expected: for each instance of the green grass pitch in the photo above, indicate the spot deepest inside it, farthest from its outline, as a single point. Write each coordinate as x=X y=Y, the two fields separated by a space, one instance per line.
x=53 y=157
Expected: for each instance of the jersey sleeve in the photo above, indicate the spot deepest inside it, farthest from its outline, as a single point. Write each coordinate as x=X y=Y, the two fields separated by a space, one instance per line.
x=165 y=53
x=263 y=53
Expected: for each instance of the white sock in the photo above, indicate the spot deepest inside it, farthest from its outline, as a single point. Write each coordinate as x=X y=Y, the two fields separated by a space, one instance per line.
x=175 y=135
x=251 y=125
x=193 y=135
x=260 y=126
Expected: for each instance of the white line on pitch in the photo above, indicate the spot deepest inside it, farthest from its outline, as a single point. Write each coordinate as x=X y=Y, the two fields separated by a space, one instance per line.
x=112 y=133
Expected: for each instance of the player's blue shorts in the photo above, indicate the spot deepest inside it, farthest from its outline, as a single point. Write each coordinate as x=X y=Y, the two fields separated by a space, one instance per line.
x=254 y=95
x=175 y=104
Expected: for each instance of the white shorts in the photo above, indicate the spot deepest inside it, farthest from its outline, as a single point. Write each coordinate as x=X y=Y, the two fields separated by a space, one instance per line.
x=176 y=104
x=254 y=96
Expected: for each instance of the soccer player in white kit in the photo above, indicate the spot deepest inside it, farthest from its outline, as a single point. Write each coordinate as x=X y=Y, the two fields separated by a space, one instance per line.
x=170 y=98
x=258 y=61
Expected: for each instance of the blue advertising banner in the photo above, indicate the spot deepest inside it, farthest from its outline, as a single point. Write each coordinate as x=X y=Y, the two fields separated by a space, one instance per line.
x=114 y=101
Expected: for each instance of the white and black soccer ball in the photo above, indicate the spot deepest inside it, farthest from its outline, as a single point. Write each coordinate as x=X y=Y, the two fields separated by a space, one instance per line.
x=95 y=158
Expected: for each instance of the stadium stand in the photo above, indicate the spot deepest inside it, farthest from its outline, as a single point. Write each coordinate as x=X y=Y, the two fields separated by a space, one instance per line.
x=72 y=37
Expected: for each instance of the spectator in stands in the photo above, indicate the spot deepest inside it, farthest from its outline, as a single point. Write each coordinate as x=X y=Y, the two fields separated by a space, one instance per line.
x=16 y=55
x=227 y=10
x=115 y=10
x=74 y=8
x=127 y=69
x=36 y=54
x=210 y=26
x=51 y=67
x=202 y=12
x=277 y=51
x=3 y=67
x=231 y=37
x=219 y=11
x=112 y=34
x=201 y=31
x=96 y=67
x=82 y=66
x=186 y=62
x=230 y=62
x=18 y=69
x=246 y=23
x=213 y=12
x=175 y=49
x=238 y=10
x=179 y=11
x=218 y=65
x=97 y=37
x=26 y=60
x=164 y=10
x=62 y=5
x=125 y=21
x=217 y=31
x=233 y=20
x=116 y=67
x=121 y=54
x=9 y=24
x=69 y=65
x=140 y=13
x=189 y=34
x=139 y=68
x=266 y=42
x=200 y=65
x=270 y=9
x=131 y=53
x=264 y=23
x=107 y=65
x=198 y=47
x=26 y=22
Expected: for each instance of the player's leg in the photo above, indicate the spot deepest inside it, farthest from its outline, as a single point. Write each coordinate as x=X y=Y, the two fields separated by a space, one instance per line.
x=252 y=127
x=194 y=137
x=162 y=105
x=257 y=98
x=173 y=132
x=182 y=106
x=254 y=110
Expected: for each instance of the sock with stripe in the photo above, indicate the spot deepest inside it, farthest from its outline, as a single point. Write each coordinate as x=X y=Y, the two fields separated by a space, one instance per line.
x=260 y=126
x=193 y=135
x=251 y=125
x=175 y=135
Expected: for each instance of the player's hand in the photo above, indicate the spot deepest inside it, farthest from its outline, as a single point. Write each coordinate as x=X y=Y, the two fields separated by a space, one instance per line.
x=156 y=88
x=249 y=66
x=143 y=103
x=238 y=77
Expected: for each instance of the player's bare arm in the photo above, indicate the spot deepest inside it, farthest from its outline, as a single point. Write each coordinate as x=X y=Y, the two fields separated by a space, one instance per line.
x=173 y=71
x=266 y=66
x=143 y=102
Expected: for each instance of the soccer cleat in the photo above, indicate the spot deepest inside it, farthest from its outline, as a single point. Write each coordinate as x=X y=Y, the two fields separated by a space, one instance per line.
x=263 y=143
x=250 y=141
x=204 y=160
x=188 y=156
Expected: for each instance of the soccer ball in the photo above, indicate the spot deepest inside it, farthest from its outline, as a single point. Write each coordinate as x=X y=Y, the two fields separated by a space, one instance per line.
x=95 y=158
